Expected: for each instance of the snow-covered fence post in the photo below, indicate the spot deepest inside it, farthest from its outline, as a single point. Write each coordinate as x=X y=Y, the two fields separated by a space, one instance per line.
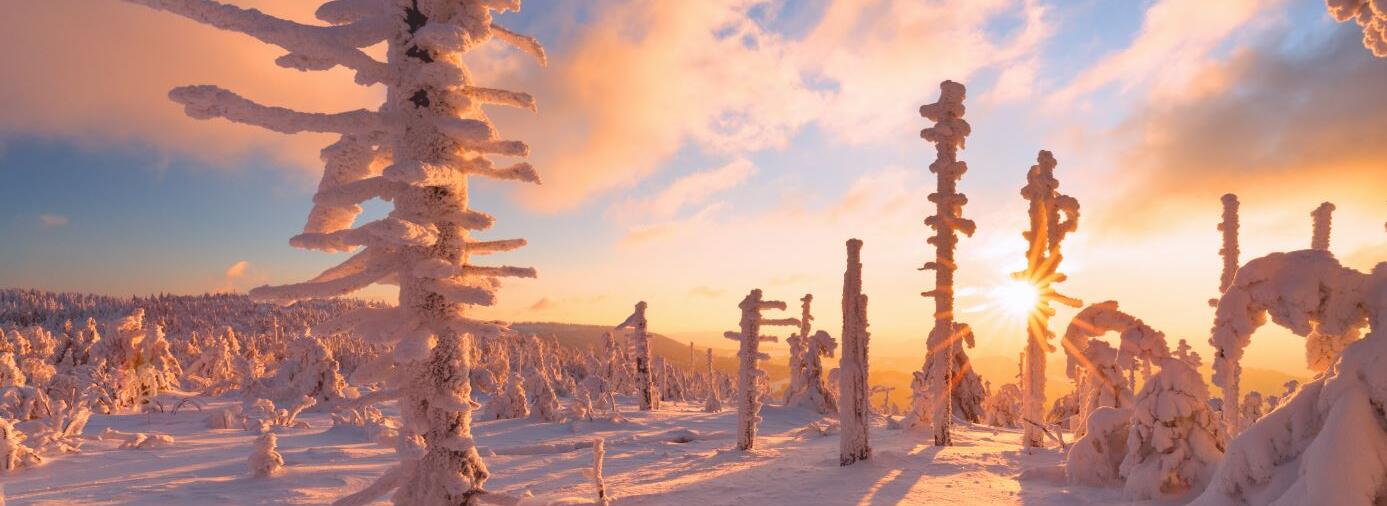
x=948 y=134
x=751 y=379
x=1048 y=230
x=645 y=381
x=417 y=150
x=854 y=410
x=1322 y=216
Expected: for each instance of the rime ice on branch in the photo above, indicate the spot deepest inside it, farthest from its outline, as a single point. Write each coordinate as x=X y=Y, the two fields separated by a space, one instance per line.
x=1048 y=230
x=751 y=382
x=854 y=411
x=948 y=134
x=645 y=383
x=416 y=150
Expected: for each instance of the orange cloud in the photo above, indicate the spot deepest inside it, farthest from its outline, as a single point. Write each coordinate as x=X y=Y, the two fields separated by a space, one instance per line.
x=98 y=73
x=49 y=220
x=688 y=190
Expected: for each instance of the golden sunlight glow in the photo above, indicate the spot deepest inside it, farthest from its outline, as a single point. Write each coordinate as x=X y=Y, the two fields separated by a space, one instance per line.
x=1015 y=298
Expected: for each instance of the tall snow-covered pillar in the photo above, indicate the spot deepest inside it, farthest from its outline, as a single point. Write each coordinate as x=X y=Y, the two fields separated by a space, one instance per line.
x=1053 y=216
x=854 y=411
x=645 y=381
x=417 y=151
x=751 y=382
x=948 y=135
x=1229 y=228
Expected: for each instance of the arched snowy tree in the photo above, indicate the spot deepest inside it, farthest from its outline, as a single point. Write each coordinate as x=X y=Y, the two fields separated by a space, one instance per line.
x=1053 y=216
x=417 y=150
x=1306 y=291
x=854 y=408
x=751 y=383
x=948 y=135
x=1102 y=375
x=645 y=379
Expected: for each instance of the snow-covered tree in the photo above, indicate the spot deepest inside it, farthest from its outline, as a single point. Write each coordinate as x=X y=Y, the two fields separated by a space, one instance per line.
x=1306 y=291
x=1003 y=407
x=712 y=402
x=509 y=401
x=417 y=150
x=854 y=408
x=751 y=383
x=1229 y=228
x=309 y=369
x=799 y=343
x=1175 y=439
x=948 y=135
x=546 y=406
x=10 y=373
x=1097 y=368
x=1322 y=218
x=1053 y=216
x=599 y=454
x=265 y=459
x=645 y=381
x=815 y=393
x=1371 y=15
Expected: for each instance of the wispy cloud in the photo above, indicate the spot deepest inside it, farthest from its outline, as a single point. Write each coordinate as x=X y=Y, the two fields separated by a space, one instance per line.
x=49 y=220
x=234 y=273
x=704 y=291
x=686 y=191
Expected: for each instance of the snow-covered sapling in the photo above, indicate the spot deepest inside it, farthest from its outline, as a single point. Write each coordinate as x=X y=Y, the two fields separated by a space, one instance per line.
x=1175 y=439
x=751 y=382
x=948 y=135
x=265 y=459
x=854 y=407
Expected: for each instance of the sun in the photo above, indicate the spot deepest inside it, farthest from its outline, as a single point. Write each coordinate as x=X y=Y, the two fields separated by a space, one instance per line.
x=1015 y=298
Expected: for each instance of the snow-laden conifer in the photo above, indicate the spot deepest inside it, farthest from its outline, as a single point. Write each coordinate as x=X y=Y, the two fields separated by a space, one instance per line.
x=854 y=406
x=751 y=383
x=645 y=380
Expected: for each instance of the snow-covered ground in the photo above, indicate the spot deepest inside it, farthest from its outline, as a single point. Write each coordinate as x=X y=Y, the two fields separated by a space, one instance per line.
x=678 y=455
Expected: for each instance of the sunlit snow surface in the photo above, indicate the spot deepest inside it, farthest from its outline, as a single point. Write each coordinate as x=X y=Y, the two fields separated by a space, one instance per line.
x=646 y=464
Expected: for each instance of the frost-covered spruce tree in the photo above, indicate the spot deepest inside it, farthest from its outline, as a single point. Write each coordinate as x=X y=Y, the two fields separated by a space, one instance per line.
x=546 y=406
x=309 y=369
x=854 y=407
x=13 y=453
x=1053 y=216
x=948 y=135
x=1229 y=251
x=265 y=459
x=645 y=380
x=751 y=383
x=815 y=394
x=509 y=401
x=1175 y=439
x=1306 y=291
x=712 y=402
x=417 y=150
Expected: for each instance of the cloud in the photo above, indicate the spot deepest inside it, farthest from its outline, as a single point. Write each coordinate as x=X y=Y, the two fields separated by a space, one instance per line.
x=688 y=190
x=542 y=304
x=1177 y=38
x=1289 y=127
x=102 y=76
x=52 y=220
x=233 y=274
x=704 y=291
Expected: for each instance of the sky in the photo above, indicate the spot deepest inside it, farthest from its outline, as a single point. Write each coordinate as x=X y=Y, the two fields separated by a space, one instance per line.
x=693 y=151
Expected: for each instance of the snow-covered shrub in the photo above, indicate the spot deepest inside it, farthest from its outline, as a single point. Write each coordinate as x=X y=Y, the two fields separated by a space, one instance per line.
x=1003 y=407
x=645 y=381
x=265 y=459
x=751 y=379
x=854 y=408
x=509 y=402
x=309 y=369
x=10 y=373
x=227 y=418
x=1096 y=458
x=1175 y=439
x=1052 y=217
x=546 y=406
x=13 y=453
